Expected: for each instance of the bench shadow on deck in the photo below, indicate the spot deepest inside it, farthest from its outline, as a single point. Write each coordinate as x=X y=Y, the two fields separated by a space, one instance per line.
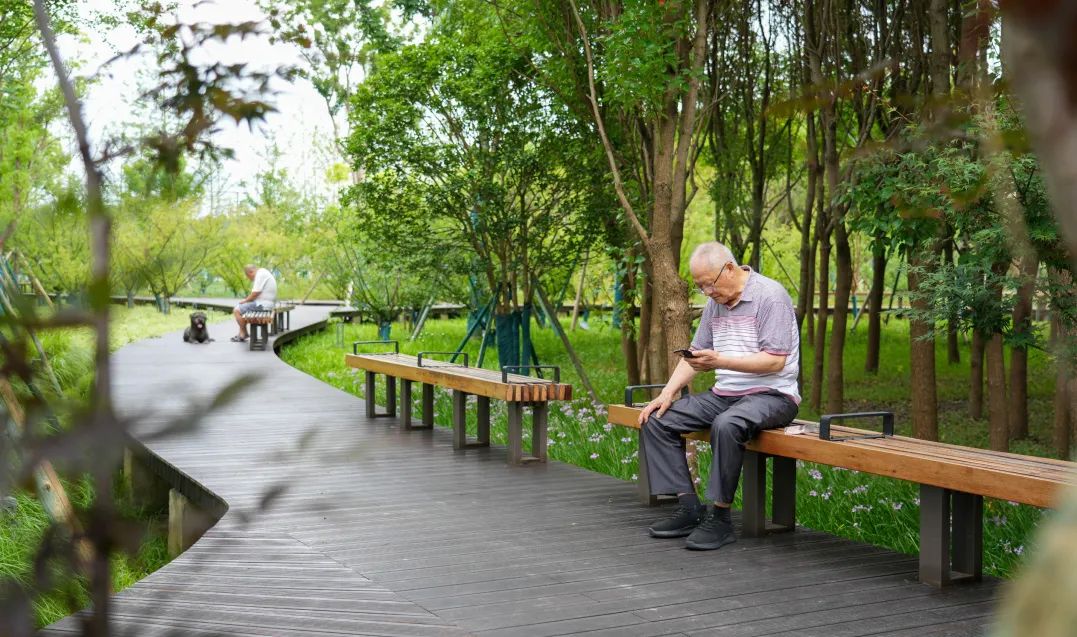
x=382 y=531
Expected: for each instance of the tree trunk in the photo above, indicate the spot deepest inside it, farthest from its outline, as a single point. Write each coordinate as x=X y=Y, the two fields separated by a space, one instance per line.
x=813 y=257
x=818 y=366
x=953 y=350
x=674 y=328
x=1063 y=370
x=1022 y=327
x=835 y=386
x=643 y=335
x=579 y=292
x=998 y=426
x=875 y=305
x=925 y=416
x=976 y=375
x=804 y=297
x=629 y=344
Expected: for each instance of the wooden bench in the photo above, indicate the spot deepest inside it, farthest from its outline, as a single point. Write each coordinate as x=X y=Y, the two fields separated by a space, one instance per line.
x=282 y=318
x=259 y=322
x=953 y=482
x=516 y=390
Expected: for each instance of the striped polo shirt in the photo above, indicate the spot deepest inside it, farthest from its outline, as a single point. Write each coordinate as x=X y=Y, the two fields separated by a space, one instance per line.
x=762 y=321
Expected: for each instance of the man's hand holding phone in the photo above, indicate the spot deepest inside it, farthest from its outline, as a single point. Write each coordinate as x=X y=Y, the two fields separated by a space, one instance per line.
x=701 y=360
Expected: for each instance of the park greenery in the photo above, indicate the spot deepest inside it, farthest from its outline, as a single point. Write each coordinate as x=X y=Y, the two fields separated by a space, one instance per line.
x=896 y=165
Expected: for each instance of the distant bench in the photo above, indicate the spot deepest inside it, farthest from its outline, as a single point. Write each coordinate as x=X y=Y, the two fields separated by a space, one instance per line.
x=953 y=481
x=516 y=390
x=282 y=318
x=266 y=323
x=259 y=322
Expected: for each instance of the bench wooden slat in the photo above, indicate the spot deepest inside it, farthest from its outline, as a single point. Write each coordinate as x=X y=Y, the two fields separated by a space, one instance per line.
x=477 y=381
x=994 y=474
x=1014 y=463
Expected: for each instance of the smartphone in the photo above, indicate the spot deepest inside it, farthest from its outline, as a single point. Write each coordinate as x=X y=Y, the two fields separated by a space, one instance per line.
x=686 y=353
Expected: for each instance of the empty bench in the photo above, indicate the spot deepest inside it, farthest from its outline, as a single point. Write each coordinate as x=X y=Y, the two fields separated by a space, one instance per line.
x=953 y=481
x=517 y=390
x=282 y=318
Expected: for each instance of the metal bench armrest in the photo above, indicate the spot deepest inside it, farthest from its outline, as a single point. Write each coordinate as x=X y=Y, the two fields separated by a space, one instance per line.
x=356 y=344
x=888 y=424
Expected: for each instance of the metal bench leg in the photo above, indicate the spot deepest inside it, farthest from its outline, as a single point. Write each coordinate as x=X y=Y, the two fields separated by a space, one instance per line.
x=370 y=390
x=783 y=497
x=459 y=419
x=390 y=396
x=754 y=494
x=539 y=418
x=428 y=406
x=405 y=402
x=643 y=481
x=516 y=432
x=259 y=336
x=934 y=535
x=967 y=536
x=483 y=417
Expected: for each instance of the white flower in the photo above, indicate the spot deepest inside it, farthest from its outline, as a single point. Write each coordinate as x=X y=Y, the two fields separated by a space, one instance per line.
x=815 y=474
x=594 y=456
x=896 y=505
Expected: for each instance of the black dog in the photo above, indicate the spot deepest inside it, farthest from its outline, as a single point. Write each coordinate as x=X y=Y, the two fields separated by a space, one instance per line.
x=197 y=332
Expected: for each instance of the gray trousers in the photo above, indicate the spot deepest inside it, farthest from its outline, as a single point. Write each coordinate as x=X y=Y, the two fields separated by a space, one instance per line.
x=732 y=421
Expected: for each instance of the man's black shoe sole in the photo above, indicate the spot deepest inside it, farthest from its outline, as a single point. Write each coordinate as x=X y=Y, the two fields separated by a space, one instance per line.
x=710 y=546
x=664 y=535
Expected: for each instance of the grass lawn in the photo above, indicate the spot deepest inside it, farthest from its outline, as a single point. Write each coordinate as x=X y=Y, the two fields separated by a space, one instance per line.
x=864 y=507
x=70 y=352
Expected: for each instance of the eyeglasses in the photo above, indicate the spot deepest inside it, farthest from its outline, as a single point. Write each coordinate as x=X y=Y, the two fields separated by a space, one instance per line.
x=703 y=288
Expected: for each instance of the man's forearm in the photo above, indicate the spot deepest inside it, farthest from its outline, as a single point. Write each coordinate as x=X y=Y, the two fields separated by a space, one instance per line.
x=758 y=363
x=681 y=376
x=252 y=296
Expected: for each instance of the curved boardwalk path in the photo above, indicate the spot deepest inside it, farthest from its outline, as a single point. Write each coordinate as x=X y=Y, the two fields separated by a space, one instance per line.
x=374 y=530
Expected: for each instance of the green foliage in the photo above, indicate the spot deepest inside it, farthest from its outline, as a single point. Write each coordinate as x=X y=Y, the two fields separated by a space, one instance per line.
x=463 y=150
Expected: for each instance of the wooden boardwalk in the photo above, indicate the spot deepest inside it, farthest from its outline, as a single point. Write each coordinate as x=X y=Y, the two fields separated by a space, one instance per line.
x=372 y=530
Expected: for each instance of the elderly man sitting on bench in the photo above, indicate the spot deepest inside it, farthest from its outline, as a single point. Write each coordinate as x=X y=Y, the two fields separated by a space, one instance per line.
x=263 y=297
x=748 y=336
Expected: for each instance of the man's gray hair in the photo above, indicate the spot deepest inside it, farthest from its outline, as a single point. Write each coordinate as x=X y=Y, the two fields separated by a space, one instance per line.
x=249 y=267
x=714 y=254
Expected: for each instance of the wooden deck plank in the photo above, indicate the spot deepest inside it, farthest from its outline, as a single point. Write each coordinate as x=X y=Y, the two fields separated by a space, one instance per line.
x=390 y=532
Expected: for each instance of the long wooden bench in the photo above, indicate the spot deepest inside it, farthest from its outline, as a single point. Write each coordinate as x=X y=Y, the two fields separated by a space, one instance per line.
x=953 y=482
x=517 y=390
x=282 y=318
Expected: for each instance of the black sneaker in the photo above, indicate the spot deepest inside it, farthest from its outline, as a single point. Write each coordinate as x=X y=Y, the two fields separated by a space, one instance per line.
x=711 y=533
x=685 y=518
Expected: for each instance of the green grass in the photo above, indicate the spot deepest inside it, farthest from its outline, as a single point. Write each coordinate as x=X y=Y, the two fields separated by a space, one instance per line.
x=70 y=353
x=859 y=506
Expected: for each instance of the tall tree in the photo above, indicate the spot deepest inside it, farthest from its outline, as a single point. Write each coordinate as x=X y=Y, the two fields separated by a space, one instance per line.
x=633 y=72
x=460 y=121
